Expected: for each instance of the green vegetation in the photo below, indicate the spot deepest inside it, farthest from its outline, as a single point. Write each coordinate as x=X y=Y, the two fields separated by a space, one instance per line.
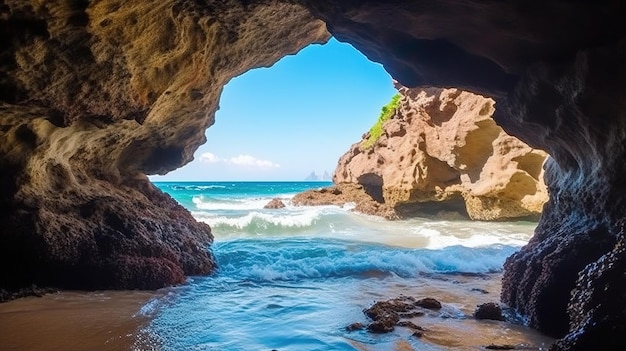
x=377 y=129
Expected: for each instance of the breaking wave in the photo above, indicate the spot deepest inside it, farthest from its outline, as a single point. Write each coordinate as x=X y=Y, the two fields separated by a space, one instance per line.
x=300 y=259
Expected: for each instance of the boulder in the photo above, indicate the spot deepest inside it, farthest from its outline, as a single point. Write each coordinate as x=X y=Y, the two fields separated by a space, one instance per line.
x=489 y=310
x=275 y=203
x=428 y=303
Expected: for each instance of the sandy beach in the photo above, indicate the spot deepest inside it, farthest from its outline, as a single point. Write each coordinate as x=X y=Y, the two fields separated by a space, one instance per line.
x=73 y=321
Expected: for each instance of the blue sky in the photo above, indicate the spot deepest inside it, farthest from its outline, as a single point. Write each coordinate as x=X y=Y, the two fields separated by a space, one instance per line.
x=298 y=116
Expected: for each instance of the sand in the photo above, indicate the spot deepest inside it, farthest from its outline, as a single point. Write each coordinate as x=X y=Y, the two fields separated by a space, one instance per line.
x=73 y=321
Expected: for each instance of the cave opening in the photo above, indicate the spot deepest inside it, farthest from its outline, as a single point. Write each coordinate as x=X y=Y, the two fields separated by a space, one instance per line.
x=291 y=121
x=97 y=99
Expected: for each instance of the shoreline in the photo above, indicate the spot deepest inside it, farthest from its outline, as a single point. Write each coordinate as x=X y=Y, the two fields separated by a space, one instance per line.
x=114 y=320
x=453 y=327
x=74 y=321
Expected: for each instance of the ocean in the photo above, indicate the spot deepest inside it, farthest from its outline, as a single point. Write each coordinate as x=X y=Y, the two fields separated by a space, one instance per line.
x=294 y=278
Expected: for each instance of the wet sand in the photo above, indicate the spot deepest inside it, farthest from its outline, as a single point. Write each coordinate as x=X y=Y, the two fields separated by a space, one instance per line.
x=111 y=320
x=73 y=321
x=453 y=327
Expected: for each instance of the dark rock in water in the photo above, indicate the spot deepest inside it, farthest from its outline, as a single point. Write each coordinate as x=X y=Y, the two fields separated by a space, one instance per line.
x=410 y=325
x=428 y=303
x=355 y=326
x=500 y=347
x=482 y=291
x=411 y=314
x=275 y=203
x=600 y=296
x=417 y=334
x=384 y=325
x=489 y=310
x=388 y=309
x=387 y=314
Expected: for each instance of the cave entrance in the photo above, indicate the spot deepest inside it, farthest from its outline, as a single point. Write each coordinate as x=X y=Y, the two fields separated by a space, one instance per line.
x=293 y=119
x=373 y=185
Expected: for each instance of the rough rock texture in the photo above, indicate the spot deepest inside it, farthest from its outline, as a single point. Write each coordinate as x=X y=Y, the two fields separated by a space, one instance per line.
x=342 y=194
x=93 y=96
x=557 y=71
x=274 y=204
x=577 y=111
x=385 y=315
x=489 y=310
x=442 y=146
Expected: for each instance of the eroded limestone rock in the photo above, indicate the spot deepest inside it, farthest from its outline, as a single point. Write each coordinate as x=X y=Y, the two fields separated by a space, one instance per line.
x=94 y=96
x=342 y=194
x=442 y=146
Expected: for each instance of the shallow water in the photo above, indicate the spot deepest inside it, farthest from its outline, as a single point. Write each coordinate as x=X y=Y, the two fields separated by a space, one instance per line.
x=300 y=294
x=292 y=279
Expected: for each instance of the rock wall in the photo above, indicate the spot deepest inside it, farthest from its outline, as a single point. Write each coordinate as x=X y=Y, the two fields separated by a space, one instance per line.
x=557 y=71
x=441 y=146
x=566 y=279
x=94 y=96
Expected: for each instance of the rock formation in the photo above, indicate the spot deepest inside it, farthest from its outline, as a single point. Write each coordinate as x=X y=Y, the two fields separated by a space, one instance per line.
x=442 y=146
x=341 y=194
x=275 y=203
x=94 y=95
x=489 y=310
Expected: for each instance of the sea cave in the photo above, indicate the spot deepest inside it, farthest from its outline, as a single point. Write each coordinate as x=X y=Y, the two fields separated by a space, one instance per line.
x=96 y=95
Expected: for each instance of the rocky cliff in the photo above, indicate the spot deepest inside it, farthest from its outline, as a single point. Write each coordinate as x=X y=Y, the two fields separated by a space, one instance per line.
x=94 y=95
x=441 y=150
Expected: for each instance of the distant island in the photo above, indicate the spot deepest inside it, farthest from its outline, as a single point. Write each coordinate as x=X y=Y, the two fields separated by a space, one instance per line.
x=326 y=177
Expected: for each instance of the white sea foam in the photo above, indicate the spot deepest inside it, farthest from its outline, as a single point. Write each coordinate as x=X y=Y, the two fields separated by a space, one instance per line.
x=204 y=203
x=439 y=239
x=307 y=261
x=149 y=308
x=263 y=220
x=312 y=259
x=197 y=187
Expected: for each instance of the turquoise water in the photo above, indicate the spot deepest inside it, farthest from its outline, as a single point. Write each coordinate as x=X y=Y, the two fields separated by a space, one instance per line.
x=294 y=278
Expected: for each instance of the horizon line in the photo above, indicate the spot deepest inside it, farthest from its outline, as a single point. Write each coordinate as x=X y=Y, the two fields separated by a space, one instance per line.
x=241 y=181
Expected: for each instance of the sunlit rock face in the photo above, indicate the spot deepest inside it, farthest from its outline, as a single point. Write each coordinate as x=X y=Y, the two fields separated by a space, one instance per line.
x=442 y=152
x=94 y=96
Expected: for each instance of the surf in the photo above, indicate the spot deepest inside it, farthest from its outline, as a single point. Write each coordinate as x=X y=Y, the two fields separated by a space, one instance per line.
x=294 y=278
